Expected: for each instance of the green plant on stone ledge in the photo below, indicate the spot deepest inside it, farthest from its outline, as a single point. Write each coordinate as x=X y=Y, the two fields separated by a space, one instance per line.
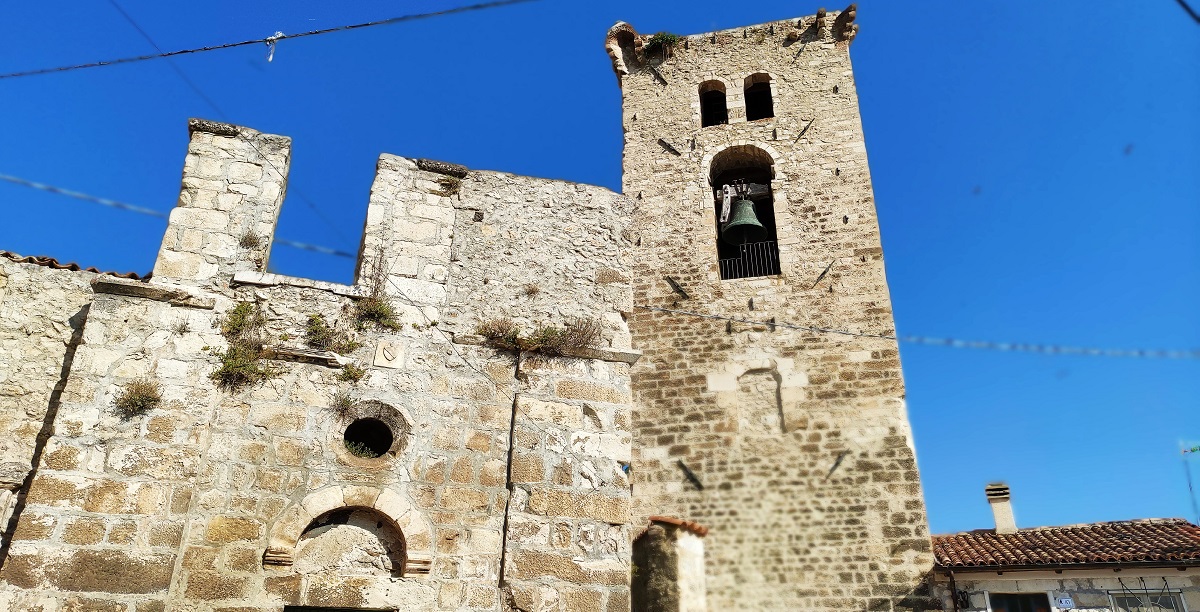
x=503 y=333
x=243 y=361
x=377 y=308
x=322 y=336
x=140 y=396
x=662 y=43
x=351 y=373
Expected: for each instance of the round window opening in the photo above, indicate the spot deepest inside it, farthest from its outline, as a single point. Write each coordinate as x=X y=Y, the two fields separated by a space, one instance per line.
x=368 y=438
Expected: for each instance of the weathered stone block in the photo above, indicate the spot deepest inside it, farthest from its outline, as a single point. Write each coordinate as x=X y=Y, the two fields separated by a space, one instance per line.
x=225 y=529
x=214 y=585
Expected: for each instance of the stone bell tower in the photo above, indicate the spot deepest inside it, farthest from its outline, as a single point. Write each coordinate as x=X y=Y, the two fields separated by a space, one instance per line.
x=755 y=231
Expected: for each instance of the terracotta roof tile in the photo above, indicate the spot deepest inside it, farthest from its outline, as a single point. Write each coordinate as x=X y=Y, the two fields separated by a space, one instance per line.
x=692 y=526
x=51 y=262
x=1128 y=542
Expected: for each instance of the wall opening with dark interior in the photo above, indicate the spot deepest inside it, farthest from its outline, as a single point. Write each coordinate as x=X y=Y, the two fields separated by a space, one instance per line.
x=713 y=109
x=747 y=243
x=758 y=97
x=368 y=438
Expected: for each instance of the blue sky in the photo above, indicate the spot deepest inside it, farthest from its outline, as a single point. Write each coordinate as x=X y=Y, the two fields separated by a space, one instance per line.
x=1036 y=169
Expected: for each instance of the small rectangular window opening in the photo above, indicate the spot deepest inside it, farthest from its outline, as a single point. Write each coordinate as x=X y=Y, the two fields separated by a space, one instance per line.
x=758 y=98
x=1019 y=602
x=713 y=109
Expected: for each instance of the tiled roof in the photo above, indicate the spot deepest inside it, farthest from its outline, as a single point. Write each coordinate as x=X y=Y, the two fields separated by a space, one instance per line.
x=51 y=262
x=692 y=526
x=1156 y=541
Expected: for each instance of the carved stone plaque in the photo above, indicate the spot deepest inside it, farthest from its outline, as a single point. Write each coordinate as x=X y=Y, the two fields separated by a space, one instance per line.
x=389 y=355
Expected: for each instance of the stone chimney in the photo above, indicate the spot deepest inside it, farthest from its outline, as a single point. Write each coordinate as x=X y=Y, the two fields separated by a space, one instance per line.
x=1001 y=502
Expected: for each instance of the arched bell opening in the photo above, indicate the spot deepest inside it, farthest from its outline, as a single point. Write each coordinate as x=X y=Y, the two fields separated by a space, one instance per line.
x=351 y=541
x=713 y=108
x=744 y=207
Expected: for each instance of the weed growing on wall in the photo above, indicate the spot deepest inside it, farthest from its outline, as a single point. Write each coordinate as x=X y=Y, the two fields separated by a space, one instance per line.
x=243 y=362
x=140 y=396
x=503 y=333
x=377 y=309
x=449 y=186
x=320 y=335
x=351 y=373
x=250 y=240
x=342 y=404
x=662 y=44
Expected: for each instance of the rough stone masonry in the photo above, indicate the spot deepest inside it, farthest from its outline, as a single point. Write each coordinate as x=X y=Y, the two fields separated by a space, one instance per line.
x=305 y=443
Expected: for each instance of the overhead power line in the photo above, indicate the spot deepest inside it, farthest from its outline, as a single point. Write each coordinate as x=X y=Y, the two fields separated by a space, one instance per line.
x=85 y=197
x=270 y=40
x=223 y=117
x=157 y=213
x=1190 y=10
x=1018 y=347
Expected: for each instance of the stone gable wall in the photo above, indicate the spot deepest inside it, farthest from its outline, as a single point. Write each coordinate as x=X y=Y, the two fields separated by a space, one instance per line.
x=42 y=312
x=504 y=466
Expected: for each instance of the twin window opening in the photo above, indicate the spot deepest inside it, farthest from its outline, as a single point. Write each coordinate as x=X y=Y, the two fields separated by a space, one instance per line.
x=756 y=92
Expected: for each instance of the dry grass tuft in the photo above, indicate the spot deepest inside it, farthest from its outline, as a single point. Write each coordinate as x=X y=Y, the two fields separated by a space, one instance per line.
x=500 y=333
x=450 y=185
x=250 y=240
x=342 y=404
x=140 y=396
x=577 y=335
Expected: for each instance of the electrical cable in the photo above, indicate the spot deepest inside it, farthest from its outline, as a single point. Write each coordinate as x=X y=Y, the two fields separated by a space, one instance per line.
x=1049 y=349
x=270 y=40
x=1019 y=347
x=224 y=117
x=157 y=214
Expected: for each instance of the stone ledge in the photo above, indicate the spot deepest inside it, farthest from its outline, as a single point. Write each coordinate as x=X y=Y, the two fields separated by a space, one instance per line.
x=441 y=167
x=303 y=355
x=266 y=279
x=130 y=288
x=629 y=356
x=212 y=127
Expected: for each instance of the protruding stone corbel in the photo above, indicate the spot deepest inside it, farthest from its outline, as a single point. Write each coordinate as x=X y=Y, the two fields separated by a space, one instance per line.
x=417 y=566
x=844 y=27
x=277 y=556
x=295 y=354
x=175 y=296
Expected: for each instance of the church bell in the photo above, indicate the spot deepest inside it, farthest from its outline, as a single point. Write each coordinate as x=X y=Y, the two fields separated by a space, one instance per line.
x=743 y=225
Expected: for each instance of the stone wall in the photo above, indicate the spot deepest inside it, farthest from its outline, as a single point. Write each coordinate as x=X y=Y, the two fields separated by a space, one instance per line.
x=502 y=485
x=42 y=312
x=1089 y=590
x=791 y=444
